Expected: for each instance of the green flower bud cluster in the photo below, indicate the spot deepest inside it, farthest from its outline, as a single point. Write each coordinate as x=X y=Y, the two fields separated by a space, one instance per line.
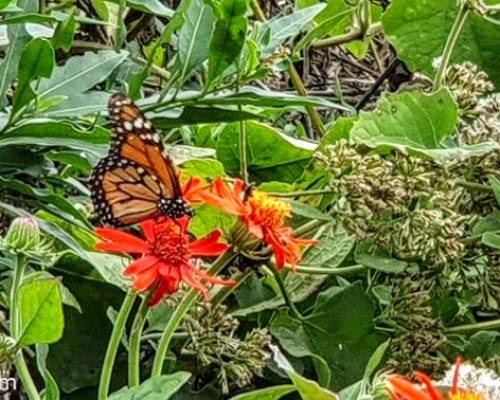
x=213 y=340
x=418 y=336
x=405 y=204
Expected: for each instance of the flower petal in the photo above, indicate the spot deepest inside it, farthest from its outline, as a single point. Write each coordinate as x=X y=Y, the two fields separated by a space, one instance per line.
x=146 y=279
x=140 y=265
x=401 y=387
x=428 y=384
x=208 y=246
x=121 y=242
x=190 y=279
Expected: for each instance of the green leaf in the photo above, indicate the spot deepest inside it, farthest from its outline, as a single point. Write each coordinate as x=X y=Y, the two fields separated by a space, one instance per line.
x=37 y=61
x=269 y=393
x=209 y=218
x=110 y=268
x=40 y=19
x=491 y=239
x=194 y=38
x=81 y=73
x=307 y=211
x=150 y=6
x=411 y=119
x=40 y=311
x=339 y=329
x=64 y=33
x=51 y=391
x=282 y=28
x=270 y=153
x=484 y=345
x=79 y=105
x=419 y=29
x=228 y=37
x=376 y=359
x=308 y=389
x=203 y=168
x=157 y=388
x=495 y=185
x=379 y=262
x=57 y=134
x=18 y=39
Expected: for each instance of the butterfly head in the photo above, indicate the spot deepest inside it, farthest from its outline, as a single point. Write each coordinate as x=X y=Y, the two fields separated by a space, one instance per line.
x=175 y=208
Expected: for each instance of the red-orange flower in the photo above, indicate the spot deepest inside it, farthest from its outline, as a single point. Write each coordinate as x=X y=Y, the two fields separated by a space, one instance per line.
x=165 y=256
x=192 y=190
x=401 y=388
x=264 y=215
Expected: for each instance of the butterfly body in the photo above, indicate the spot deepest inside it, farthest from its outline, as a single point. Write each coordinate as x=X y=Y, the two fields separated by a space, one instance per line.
x=136 y=180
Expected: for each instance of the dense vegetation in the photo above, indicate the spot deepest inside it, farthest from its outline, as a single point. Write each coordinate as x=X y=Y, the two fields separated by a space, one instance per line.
x=361 y=140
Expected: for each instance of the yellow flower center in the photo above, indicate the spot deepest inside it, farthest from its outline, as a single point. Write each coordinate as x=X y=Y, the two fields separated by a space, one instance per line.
x=267 y=210
x=466 y=395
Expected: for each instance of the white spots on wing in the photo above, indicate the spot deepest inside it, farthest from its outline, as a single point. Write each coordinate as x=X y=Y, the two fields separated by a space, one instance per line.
x=139 y=122
x=156 y=137
x=148 y=125
x=128 y=125
x=140 y=170
x=119 y=129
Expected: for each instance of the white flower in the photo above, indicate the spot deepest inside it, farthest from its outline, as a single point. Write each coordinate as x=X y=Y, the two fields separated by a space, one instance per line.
x=479 y=380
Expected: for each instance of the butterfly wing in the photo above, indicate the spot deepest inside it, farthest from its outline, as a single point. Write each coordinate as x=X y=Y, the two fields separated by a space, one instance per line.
x=137 y=180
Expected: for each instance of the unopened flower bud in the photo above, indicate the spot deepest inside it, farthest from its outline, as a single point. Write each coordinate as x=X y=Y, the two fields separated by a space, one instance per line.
x=23 y=235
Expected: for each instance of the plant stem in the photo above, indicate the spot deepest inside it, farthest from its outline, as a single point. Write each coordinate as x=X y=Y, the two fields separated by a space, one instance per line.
x=114 y=343
x=450 y=44
x=487 y=325
x=181 y=310
x=243 y=151
x=476 y=186
x=225 y=291
x=134 y=351
x=354 y=34
x=283 y=291
x=294 y=77
x=331 y=271
x=301 y=193
x=22 y=370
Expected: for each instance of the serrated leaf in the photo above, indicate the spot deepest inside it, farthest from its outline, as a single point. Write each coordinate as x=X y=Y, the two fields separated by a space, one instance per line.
x=419 y=29
x=408 y=120
x=81 y=73
x=40 y=312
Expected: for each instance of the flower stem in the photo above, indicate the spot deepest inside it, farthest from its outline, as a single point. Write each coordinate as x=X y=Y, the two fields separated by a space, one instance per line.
x=225 y=291
x=331 y=271
x=22 y=370
x=450 y=44
x=284 y=292
x=114 y=343
x=181 y=310
x=294 y=77
x=134 y=352
x=480 y=326
x=243 y=151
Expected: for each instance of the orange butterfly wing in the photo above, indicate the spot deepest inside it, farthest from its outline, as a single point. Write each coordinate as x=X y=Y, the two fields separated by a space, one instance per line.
x=137 y=180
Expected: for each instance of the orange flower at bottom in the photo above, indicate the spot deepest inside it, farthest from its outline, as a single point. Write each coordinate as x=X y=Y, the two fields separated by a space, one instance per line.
x=263 y=215
x=165 y=256
x=401 y=388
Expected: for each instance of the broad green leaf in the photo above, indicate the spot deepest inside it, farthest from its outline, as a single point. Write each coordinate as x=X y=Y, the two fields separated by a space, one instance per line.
x=51 y=391
x=419 y=29
x=203 y=168
x=81 y=73
x=340 y=129
x=408 y=120
x=157 y=388
x=484 y=345
x=339 y=329
x=79 y=105
x=491 y=239
x=228 y=37
x=283 y=28
x=37 y=61
x=209 y=218
x=18 y=38
x=57 y=134
x=194 y=38
x=110 y=267
x=307 y=211
x=269 y=393
x=38 y=20
x=64 y=33
x=270 y=153
x=40 y=312
x=376 y=359
x=4 y=4
x=495 y=185
x=379 y=262
x=308 y=389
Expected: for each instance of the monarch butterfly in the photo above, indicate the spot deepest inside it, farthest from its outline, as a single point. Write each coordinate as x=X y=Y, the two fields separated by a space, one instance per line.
x=137 y=179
